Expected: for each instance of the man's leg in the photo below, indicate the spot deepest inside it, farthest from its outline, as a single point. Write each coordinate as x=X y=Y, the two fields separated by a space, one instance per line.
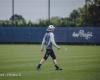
x=56 y=65
x=45 y=57
x=41 y=62
x=54 y=60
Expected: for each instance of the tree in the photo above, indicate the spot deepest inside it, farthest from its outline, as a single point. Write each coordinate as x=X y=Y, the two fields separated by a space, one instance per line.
x=93 y=12
x=18 y=20
x=89 y=14
x=16 y=17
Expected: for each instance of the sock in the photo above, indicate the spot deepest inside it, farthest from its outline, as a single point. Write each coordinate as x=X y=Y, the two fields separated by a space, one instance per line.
x=56 y=66
x=39 y=65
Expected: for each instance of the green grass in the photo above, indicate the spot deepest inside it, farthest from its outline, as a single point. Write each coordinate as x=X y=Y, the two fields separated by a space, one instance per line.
x=78 y=62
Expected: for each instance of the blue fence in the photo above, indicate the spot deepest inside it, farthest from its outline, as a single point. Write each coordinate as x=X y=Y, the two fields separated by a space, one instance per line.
x=62 y=34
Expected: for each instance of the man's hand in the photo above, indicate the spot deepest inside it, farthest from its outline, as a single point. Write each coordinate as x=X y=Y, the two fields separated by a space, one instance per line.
x=42 y=50
x=58 y=48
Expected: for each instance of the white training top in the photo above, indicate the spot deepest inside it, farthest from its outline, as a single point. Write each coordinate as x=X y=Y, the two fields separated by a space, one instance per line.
x=48 y=41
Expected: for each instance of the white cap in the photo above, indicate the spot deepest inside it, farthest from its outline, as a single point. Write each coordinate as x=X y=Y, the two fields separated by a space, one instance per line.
x=50 y=28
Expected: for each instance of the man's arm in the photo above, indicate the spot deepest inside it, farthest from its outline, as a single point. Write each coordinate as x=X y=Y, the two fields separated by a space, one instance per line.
x=53 y=40
x=42 y=45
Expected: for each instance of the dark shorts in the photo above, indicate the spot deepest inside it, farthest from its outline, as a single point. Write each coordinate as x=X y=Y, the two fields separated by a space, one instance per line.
x=49 y=52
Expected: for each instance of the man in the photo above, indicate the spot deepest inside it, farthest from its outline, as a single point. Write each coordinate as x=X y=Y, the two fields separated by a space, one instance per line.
x=47 y=43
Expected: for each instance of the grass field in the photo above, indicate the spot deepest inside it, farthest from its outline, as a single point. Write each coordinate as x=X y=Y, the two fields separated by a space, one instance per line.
x=78 y=62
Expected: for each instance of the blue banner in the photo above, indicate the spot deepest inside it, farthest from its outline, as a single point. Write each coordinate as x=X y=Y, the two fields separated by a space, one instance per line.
x=62 y=34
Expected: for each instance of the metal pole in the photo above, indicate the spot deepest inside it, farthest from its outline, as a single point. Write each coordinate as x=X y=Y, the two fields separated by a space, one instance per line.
x=13 y=12
x=49 y=10
x=86 y=14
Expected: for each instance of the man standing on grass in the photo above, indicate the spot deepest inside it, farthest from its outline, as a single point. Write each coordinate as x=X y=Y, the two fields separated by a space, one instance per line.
x=47 y=43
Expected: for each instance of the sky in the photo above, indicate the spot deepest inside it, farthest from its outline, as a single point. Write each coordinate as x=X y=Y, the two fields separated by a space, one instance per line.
x=38 y=9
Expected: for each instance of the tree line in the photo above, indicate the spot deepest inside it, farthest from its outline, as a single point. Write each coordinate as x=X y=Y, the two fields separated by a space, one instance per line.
x=88 y=15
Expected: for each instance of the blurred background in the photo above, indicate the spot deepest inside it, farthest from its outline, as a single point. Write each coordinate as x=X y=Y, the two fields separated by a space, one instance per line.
x=77 y=21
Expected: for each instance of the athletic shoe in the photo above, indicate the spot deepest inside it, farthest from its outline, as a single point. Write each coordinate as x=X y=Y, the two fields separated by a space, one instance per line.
x=59 y=69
